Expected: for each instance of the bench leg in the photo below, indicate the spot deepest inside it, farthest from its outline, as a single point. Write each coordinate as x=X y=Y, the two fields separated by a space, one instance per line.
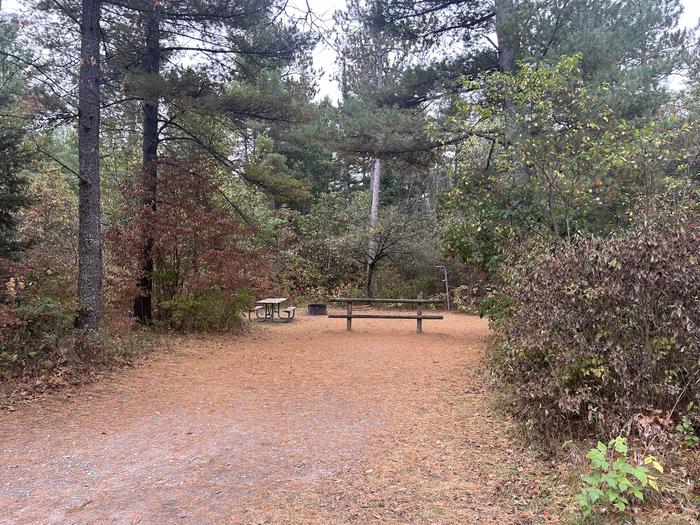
x=349 y=324
x=419 y=312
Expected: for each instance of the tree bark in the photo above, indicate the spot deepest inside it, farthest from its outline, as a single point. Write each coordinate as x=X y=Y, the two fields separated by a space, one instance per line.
x=89 y=211
x=509 y=52
x=143 y=304
x=373 y=219
x=508 y=35
x=376 y=185
x=369 y=278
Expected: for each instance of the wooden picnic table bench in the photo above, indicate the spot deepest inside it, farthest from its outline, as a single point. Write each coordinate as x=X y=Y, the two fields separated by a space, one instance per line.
x=419 y=315
x=272 y=305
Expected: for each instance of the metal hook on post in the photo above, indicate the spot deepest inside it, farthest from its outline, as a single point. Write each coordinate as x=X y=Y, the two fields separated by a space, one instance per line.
x=447 y=286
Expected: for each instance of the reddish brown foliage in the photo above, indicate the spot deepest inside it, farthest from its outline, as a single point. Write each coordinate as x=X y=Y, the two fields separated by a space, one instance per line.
x=37 y=303
x=49 y=227
x=205 y=259
x=605 y=334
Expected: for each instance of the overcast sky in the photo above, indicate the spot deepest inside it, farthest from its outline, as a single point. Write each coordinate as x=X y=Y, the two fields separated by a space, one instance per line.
x=324 y=56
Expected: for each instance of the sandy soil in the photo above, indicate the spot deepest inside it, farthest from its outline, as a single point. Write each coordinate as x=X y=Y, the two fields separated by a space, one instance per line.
x=299 y=423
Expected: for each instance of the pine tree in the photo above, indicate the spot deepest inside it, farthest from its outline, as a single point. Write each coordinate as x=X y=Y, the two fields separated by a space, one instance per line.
x=630 y=46
x=89 y=204
x=14 y=154
x=223 y=32
x=187 y=68
x=384 y=117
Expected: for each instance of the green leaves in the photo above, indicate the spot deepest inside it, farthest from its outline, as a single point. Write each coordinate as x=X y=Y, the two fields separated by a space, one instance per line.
x=597 y=457
x=620 y=445
x=614 y=477
x=687 y=434
x=550 y=155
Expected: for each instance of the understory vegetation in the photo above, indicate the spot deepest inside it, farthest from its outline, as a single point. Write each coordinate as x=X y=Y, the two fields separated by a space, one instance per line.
x=599 y=335
x=164 y=164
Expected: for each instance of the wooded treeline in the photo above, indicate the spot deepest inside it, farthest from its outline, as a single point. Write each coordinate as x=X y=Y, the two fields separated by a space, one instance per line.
x=163 y=162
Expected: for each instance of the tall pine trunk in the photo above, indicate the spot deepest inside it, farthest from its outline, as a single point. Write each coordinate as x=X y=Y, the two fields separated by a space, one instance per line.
x=373 y=219
x=508 y=35
x=89 y=212
x=376 y=185
x=509 y=52
x=143 y=304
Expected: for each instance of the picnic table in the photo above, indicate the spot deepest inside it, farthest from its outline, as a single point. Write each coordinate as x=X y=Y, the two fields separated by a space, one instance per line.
x=419 y=316
x=272 y=305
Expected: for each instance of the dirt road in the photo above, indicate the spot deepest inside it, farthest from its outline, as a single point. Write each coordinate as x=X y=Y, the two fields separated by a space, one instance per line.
x=298 y=423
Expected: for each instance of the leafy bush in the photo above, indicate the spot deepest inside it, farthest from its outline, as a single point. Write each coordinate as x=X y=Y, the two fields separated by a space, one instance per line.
x=327 y=249
x=31 y=332
x=613 y=478
x=39 y=346
x=37 y=299
x=392 y=283
x=687 y=434
x=210 y=310
x=319 y=253
x=204 y=256
x=595 y=334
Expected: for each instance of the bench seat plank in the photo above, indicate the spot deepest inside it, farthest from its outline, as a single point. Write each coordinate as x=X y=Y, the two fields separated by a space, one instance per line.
x=382 y=316
x=256 y=309
x=390 y=301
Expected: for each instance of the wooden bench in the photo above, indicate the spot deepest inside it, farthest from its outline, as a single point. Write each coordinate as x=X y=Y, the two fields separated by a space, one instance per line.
x=419 y=315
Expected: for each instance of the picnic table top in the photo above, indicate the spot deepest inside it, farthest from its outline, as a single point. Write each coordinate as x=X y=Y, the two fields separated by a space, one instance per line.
x=271 y=300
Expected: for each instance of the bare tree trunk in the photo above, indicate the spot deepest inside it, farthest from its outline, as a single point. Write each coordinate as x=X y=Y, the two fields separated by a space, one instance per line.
x=376 y=185
x=89 y=211
x=143 y=304
x=373 y=219
x=508 y=35
x=369 y=278
x=509 y=52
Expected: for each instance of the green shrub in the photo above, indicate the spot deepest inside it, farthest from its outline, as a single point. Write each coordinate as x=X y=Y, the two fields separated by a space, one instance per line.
x=31 y=332
x=209 y=310
x=595 y=334
x=392 y=284
x=39 y=345
x=687 y=434
x=613 y=479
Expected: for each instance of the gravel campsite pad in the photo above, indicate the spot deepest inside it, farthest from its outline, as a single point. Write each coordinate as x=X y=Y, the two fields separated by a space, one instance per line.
x=299 y=423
